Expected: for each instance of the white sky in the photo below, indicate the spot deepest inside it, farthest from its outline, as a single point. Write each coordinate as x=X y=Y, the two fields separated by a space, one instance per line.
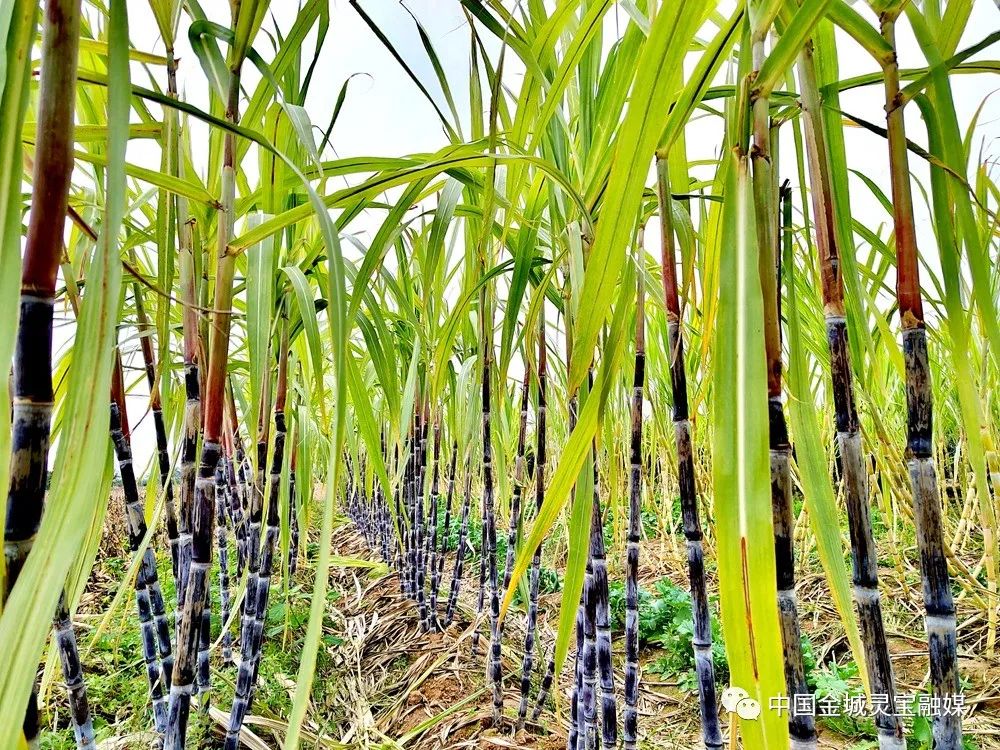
x=386 y=115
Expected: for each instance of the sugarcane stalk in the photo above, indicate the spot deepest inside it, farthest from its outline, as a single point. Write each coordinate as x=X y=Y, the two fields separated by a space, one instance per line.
x=203 y=509
x=602 y=621
x=234 y=506
x=256 y=511
x=293 y=520
x=483 y=551
x=192 y=412
x=431 y=619
x=416 y=502
x=76 y=688
x=32 y=396
x=204 y=647
x=153 y=625
x=939 y=606
x=400 y=524
x=520 y=479
x=588 y=661
x=222 y=542
x=463 y=536
x=423 y=533
x=531 y=621
x=701 y=641
x=410 y=499
x=490 y=534
x=856 y=498
x=236 y=482
x=801 y=725
x=250 y=662
x=437 y=572
x=630 y=715
x=582 y=719
x=159 y=427
x=544 y=688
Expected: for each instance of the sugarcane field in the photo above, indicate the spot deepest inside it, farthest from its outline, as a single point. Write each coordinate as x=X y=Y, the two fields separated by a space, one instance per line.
x=459 y=374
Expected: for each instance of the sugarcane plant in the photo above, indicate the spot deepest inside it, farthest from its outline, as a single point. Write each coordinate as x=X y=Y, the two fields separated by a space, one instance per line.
x=801 y=725
x=246 y=20
x=702 y=641
x=495 y=337
x=864 y=557
x=32 y=392
x=939 y=606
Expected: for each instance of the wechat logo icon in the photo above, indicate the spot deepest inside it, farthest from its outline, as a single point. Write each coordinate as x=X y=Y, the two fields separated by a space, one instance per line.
x=737 y=700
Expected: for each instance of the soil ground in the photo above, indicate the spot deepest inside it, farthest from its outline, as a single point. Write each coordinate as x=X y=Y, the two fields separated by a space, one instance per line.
x=382 y=683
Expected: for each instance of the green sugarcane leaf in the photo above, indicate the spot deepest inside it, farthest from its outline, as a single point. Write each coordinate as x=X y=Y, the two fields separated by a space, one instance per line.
x=790 y=43
x=673 y=31
x=698 y=84
x=74 y=496
x=202 y=36
x=741 y=474
x=261 y=265
x=439 y=71
x=189 y=188
x=589 y=29
x=167 y=14
x=454 y=159
x=310 y=323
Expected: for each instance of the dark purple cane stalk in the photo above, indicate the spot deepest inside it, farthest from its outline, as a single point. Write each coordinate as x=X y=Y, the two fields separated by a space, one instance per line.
x=430 y=621
x=701 y=641
x=204 y=646
x=250 y=662
x=76 y=688
x=544 y=688
x=494 y=672
x=135 y=521
x=222 y=542
x=255 y=492
x=234 y=460
x=400 y=526
x=520 y=479
x=410 y=500
x=536 y=560
x=439 y=570
x=602 y=623
x=481 y=600
x=203 y=508
x=586 y=730
x=463 y=536
x=293 y=516
x=192 y=410
x=939 y=605
x=588 y=698
x=854 y=476
x=159 y=427
x=630 y=717
x=423 y=534
x=236 y=471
